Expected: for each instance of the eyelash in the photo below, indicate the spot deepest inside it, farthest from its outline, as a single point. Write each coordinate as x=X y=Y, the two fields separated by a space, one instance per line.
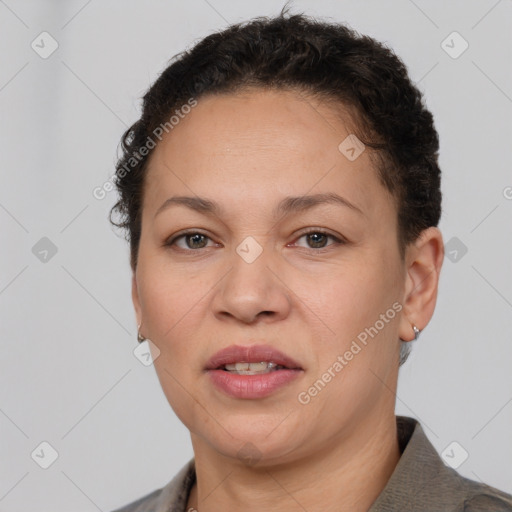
x=337 y=241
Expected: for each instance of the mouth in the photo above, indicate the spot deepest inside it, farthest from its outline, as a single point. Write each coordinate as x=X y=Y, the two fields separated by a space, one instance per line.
x=251 y=360
x=260 y=368
x=253 y=372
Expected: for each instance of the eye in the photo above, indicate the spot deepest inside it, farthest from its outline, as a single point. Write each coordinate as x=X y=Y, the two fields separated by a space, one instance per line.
x=192 y=240
x=317 y=239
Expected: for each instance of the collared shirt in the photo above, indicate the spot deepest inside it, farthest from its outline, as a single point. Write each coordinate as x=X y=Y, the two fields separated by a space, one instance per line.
x=421 y=482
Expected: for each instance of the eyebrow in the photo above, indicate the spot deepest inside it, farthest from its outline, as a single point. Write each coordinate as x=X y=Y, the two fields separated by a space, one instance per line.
x=291 y=204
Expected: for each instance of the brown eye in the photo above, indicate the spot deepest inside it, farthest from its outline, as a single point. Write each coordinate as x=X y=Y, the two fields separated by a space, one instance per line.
x=316 y=239
x=195 y=241
x=192 y=241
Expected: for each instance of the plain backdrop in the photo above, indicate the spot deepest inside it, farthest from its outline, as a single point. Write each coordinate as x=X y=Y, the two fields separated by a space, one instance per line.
x=68 y=373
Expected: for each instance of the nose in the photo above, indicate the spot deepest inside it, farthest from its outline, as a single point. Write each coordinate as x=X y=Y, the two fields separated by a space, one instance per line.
x=252 y=292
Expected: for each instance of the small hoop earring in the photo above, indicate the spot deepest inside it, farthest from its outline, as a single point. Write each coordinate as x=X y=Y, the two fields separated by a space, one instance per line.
x=140 y=338
x=416 y=334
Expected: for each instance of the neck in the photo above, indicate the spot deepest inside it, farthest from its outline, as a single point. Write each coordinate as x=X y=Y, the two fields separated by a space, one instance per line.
x=349 y=474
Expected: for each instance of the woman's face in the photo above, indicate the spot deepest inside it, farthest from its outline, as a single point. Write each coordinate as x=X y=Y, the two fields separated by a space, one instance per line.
x=252 y=275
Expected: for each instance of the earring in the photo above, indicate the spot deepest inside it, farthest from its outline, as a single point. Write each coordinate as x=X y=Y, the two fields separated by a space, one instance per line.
x=140 y=338
x=416 y=333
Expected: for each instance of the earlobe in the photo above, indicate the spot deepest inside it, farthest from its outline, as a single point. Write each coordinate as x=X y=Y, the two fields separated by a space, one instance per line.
x=424 y=263
x=137 y=307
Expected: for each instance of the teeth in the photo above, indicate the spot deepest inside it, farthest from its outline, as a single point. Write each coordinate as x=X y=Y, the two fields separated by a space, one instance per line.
x=252 y=368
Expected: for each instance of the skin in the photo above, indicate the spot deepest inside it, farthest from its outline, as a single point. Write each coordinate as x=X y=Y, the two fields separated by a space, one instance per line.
x=308 y=296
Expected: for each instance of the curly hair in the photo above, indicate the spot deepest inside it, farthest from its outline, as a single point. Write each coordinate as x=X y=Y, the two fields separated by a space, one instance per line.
x=321 y=59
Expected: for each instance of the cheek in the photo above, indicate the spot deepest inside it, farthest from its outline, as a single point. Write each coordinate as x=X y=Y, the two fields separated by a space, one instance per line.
x=172 y=301
x=357 y=307
x=170 y=298
x=353 y=296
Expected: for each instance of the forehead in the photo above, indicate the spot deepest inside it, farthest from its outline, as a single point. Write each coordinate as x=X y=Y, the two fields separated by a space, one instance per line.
x=257 y=145
x=272 y=120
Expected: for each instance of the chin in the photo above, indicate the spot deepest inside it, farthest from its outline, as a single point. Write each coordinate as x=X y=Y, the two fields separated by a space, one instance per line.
x=253 y=440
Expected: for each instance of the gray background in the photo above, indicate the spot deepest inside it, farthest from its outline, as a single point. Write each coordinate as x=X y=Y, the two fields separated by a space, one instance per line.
x=68 y=372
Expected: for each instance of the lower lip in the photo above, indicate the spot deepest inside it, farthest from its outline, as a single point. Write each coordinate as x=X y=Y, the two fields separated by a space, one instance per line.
x=252 y=386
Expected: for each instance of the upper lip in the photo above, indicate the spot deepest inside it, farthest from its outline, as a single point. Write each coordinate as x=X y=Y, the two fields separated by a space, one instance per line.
x=250 y=354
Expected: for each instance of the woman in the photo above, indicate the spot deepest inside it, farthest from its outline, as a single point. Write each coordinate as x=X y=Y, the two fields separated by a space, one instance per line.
x=281 y=195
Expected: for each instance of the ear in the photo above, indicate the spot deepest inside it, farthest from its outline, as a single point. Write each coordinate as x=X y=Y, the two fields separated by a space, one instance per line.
x=424 y=260
x=135 y=299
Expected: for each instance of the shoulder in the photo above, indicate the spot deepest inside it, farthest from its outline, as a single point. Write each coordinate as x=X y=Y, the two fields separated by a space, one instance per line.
x=482 y=498
x=147 y=503
x=422 y=481
x=172 y=496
